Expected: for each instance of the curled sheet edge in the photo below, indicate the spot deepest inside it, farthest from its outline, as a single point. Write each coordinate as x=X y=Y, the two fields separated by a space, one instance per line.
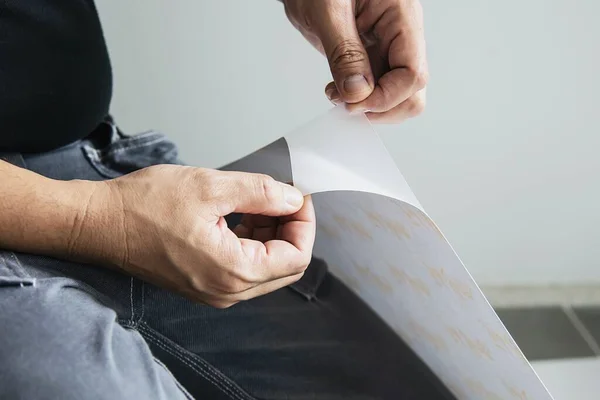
x=340 y=151
x=376 y=237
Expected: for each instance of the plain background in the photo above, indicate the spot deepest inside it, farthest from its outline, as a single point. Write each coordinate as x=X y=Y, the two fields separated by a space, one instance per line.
x=505 y=158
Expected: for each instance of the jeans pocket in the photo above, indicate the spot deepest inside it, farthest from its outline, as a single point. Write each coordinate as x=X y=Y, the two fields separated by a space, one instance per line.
x=126 y=154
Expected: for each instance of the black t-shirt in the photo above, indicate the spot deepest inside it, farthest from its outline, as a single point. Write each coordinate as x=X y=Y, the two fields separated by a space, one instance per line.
x=55 y=75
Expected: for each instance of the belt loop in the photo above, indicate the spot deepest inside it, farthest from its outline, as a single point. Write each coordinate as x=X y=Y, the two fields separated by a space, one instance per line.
x=14 y=159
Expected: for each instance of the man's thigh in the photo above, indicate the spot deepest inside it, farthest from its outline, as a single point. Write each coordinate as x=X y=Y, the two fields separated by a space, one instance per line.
x=313 y=341
x=59 y=341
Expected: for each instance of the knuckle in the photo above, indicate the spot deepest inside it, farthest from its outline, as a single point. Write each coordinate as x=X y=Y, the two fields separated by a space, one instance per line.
x=303 y=263
x=422 y=79
x=242 y=277
x=384 y=101
x=267 y=187
x=347 y=54
x=247 y=277
x=235 y=279
x=419 y=77
x=416 y=105
x=195 y=284
x=212 y=184
x=232 y=285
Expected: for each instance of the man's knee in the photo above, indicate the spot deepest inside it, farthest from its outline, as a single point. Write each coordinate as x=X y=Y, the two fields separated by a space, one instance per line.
x=46 y=340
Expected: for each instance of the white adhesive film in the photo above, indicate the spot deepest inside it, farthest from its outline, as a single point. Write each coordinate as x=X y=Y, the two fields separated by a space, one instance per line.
x=377 y=239
x=339 y=151
x=396 y=259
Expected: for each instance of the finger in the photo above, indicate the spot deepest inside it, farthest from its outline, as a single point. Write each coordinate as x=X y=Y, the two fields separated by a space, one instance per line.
x=242 y=192
x=332 y=94
x=401 y=33
x=300 y=228
x=228 y=300
x=409 y=108
x=271 y=260
x=378 y=65
x=347 y=57
x=305 y=214
x=255 y=262
x=290 y=253
x=266 y=288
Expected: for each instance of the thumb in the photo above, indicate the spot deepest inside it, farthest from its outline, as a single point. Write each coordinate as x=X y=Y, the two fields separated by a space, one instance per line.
x=240 y=192
x=348 y=59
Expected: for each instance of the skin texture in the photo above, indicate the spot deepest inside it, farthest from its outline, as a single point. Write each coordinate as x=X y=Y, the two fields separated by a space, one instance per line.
x=165 y=224
x=180 y=239
x=380 y=40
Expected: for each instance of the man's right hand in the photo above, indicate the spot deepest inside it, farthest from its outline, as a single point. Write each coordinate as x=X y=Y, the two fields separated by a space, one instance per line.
x=165 y=224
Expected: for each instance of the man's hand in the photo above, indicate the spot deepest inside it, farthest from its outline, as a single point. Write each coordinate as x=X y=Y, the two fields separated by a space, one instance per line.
x=375 y=49
x=165 y=224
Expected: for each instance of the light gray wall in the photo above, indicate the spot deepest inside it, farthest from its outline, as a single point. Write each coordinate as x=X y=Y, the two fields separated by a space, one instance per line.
x=504 y=159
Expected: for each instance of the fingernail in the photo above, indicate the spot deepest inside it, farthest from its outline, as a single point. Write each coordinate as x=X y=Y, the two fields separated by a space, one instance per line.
x=329 y=91
x=356 y=84
x=334 y=96
x=293 y=196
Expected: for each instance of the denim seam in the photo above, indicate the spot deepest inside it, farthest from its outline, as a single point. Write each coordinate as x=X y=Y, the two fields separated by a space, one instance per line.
x=143 y=306
x=203 y=373
x=4 y=266
x=143 y=139
x=129 y=146
x=136 y=319
x=132 y=316
x=13 y=268
x=19 y=267
x=128 y=142
x=196 y=363
x=97 y=158
x=12 y=271
x=95 y=161
x=177 y=383
x=126 y=323
x=172 y=348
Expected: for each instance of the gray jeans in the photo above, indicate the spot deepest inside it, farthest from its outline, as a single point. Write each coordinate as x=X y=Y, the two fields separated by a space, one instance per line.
x=74 y=331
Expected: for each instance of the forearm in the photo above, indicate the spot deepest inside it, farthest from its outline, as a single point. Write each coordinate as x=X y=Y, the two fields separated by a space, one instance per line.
x=50 y=217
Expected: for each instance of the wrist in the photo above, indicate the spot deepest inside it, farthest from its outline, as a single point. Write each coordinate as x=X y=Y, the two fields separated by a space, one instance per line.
x=97 y=228
x=65 y=219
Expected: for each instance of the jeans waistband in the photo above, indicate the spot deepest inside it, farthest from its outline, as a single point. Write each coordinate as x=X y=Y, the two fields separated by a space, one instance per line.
x=104 y=154
x=102 y=136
